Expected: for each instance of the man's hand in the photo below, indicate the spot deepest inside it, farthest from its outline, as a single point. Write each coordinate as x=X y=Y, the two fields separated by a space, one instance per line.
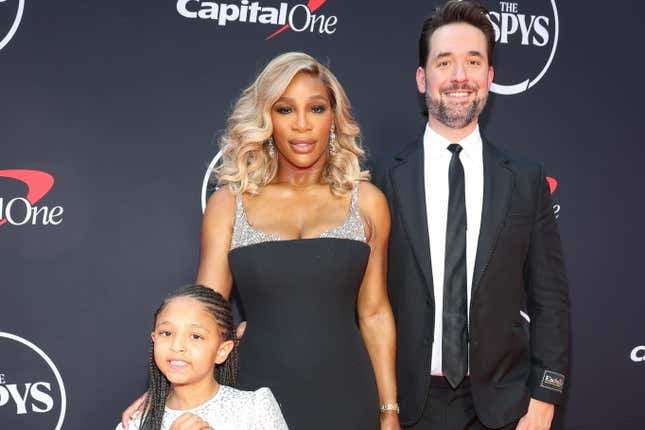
x=133 y=411
x=538 y=417
x=189 y=421
x=390 y=421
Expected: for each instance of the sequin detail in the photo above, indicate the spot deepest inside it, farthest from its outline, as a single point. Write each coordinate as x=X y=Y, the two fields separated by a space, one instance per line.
x=244 y=234
x=231 y=409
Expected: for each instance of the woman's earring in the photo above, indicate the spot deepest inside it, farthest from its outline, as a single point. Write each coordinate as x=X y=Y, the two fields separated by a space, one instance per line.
x=270 y=146
x=332 y=141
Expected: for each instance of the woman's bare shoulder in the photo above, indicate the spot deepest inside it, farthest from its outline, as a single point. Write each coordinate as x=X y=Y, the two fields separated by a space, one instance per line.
x=371 y=199
x=221 y=207
x=372 y=205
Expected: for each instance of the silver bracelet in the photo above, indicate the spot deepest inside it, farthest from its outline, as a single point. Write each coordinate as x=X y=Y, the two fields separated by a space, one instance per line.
x=389 y=407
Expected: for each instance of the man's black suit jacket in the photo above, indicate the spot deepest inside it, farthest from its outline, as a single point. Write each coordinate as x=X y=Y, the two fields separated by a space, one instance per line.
x=519 y=267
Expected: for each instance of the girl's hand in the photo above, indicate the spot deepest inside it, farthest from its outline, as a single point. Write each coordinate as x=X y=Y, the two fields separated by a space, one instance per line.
x=133 y=411
x=390 y=421
x=189 y=421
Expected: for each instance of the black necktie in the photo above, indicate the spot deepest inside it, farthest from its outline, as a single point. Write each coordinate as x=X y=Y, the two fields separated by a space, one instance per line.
x=455 y=313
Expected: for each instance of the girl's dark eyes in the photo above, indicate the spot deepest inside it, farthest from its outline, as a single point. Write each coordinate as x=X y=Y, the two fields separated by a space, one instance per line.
x=166 y=333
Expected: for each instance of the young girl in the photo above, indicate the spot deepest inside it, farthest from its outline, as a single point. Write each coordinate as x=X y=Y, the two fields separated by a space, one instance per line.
x=193 y=361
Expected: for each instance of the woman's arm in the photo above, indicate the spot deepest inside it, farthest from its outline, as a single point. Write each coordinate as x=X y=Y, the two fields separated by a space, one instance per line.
x=217 y=230
x=375 y=316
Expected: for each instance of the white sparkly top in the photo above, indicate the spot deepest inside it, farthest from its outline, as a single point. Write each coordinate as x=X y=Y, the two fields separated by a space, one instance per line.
x=244 y=234
x=230 y=409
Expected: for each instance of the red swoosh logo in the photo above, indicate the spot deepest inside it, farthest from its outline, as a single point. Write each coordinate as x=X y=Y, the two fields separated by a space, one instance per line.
x=312 y=5
x=553 y=184
x=38 y=183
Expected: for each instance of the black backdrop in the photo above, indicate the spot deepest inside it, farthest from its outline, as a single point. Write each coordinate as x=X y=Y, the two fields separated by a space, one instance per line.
x=121 y=103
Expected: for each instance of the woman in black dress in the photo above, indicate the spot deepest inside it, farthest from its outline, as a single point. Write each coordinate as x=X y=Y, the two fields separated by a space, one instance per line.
x=303 y=236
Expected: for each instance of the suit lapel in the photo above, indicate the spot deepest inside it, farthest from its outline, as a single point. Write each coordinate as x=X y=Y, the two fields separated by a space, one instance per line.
x=498 y=189
x=409 y=190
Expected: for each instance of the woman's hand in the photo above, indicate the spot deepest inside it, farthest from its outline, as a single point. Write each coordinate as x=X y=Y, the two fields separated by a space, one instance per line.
x=133 y=411
x=390 y=421
x=189 y=421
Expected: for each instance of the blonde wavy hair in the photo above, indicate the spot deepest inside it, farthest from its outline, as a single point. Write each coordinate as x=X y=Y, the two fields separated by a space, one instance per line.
x=247 y=164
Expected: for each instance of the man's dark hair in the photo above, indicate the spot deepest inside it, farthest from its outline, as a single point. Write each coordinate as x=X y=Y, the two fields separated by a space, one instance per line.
x=455 y=11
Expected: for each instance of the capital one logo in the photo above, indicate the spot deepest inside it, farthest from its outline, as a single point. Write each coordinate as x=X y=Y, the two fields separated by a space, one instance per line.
x=19 y=211
x=526 y=33
x=298 y=17
x=638 y=354
x=32 y=393
x=10 y=16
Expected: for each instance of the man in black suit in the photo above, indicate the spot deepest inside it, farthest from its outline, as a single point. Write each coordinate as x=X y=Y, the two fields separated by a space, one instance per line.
x=476 y=274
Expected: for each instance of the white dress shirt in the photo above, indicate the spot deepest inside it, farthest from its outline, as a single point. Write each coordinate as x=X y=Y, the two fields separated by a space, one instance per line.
x=436 y=162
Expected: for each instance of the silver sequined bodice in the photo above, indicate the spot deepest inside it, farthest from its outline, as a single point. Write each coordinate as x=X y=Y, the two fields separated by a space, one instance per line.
x=244 y=234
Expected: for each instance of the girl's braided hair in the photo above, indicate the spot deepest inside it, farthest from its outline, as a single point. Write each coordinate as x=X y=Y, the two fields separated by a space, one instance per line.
x=225 y=373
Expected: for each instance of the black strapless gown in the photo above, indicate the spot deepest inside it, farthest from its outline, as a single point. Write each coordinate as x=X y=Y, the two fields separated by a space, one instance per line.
x=302 y=338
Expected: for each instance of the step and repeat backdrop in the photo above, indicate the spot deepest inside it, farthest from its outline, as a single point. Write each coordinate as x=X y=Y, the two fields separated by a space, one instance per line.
x=109 y=115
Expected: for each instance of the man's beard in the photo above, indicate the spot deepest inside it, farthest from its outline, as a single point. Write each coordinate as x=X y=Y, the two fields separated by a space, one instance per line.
x=457 y=115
